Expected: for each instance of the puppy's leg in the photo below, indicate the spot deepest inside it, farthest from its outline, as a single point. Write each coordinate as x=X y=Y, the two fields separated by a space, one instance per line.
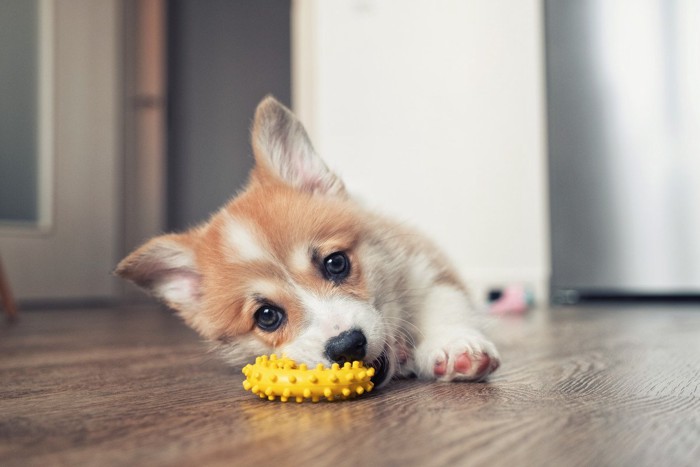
x=450 y=347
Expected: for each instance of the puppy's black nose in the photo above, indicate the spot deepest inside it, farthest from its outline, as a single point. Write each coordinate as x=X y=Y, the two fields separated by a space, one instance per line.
x=347 y=346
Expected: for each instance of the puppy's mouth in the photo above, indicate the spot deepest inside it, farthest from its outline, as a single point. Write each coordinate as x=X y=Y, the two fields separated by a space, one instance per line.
x=382 y=368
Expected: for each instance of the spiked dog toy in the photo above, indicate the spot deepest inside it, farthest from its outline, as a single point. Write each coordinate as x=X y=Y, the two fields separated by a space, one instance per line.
x=272 y=377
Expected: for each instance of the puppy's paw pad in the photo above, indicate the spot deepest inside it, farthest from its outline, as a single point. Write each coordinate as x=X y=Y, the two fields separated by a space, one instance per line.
x=463 y=363
x=440 y=368
x=466 y=359
x=440 y=364
x=472 y=366
x=475 y=366
x=482 y=364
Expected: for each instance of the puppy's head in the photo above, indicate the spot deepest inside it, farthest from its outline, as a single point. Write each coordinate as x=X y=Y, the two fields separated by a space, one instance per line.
x=282 y=267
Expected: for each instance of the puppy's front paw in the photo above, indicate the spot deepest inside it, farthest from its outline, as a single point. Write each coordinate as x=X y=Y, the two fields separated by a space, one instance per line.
x=470 y=358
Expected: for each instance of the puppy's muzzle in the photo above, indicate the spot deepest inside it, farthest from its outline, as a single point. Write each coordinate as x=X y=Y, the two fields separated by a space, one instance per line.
x=347 y=346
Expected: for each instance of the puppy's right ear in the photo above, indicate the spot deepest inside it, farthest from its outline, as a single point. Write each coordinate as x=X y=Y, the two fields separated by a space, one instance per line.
x=166 y=267
x=283 y=149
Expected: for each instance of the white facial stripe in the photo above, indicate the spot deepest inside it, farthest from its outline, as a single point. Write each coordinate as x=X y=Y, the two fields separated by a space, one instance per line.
x=243 y=242
x=333 y=315
x=327 y=317
x=299 y=259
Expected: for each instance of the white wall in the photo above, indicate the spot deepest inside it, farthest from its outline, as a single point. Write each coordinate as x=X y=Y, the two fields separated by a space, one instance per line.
x=434 y=111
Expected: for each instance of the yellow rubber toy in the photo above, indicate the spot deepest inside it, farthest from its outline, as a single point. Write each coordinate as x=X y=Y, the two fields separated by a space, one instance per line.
x=272 y=377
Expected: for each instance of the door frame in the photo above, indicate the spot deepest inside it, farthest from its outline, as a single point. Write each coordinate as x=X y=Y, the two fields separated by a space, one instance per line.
x=69 y=254
x=45 y=128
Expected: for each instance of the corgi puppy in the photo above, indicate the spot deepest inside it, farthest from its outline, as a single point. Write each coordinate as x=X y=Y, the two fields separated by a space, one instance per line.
x=293 y=265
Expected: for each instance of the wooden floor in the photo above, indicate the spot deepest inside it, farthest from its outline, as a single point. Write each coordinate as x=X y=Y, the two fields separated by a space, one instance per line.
x=590 y=386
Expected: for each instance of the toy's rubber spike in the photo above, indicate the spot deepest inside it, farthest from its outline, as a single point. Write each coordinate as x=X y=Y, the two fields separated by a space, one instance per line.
x=276 y=378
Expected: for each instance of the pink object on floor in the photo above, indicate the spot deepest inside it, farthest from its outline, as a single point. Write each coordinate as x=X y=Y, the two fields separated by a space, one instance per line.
x=514 y=299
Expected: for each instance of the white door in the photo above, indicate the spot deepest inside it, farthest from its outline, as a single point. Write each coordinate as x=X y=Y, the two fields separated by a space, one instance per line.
x=67 y=248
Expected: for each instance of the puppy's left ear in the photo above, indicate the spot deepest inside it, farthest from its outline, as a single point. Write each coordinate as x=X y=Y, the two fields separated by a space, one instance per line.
x=283 y=149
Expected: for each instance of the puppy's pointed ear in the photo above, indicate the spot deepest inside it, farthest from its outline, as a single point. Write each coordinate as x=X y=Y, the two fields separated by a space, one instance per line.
x=165 y=266
x=283 y=149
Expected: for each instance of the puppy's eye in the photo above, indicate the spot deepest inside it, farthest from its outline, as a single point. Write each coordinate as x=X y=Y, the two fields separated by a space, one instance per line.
x=336 y=266
x=269 y=318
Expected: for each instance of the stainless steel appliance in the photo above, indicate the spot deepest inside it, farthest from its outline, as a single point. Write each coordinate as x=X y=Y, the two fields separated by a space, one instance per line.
x=623 y=86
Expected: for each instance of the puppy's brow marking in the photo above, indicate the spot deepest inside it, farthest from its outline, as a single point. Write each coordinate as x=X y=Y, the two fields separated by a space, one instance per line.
x=242 y=240
x=299 y=258
x=262 y=289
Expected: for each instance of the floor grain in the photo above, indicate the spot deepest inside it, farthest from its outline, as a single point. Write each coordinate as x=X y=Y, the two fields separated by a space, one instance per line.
x=132 y=386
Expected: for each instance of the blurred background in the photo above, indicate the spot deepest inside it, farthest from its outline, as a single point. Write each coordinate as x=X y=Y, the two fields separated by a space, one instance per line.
x=553 y=144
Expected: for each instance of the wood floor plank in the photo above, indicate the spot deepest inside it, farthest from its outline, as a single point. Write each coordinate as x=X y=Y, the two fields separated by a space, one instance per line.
x=133 y=386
